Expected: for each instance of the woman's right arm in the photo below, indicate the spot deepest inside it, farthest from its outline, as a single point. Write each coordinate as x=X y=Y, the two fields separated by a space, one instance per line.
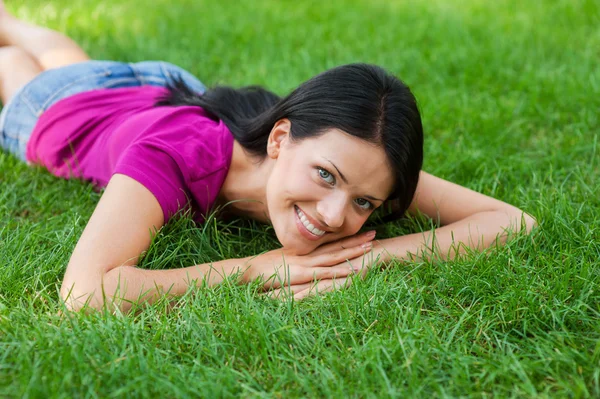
x=101 y=269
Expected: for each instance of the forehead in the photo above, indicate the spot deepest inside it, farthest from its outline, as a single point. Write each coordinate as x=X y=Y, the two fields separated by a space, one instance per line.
x=363 y=164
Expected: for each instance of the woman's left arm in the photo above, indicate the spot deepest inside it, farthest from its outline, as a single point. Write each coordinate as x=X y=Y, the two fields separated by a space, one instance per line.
x=469 y=220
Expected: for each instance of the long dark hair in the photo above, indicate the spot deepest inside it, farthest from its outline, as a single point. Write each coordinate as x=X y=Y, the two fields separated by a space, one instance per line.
x=362 y=100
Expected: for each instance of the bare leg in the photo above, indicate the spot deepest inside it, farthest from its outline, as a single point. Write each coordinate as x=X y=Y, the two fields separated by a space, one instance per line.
x=49 y=48
x=17 y=67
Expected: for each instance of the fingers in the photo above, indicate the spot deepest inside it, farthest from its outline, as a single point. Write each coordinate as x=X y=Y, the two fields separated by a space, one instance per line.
x=338 y=256
x=301 y=291
x=304 y=269
x=287 y=291
x=343 y=269
x=362 y=264
x=356 y=240
x=348 y=242
x=295 y=275
x=322 y=287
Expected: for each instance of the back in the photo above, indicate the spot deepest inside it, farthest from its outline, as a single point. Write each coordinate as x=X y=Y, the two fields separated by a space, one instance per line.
x=177 y=153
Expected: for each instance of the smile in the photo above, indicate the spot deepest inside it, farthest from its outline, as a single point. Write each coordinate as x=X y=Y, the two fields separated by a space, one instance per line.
x=310 y=228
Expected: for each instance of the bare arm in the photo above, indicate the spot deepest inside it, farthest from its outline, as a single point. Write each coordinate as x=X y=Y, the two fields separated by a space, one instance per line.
x=469 y=219
x=120 y=229
x=102 y=267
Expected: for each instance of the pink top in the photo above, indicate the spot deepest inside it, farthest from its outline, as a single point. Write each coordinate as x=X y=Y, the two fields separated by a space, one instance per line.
x=177 y=153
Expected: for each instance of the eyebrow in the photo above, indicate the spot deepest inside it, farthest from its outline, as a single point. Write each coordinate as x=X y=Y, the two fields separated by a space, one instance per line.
x=336 y=168
x=372 y=198
x=346 y=181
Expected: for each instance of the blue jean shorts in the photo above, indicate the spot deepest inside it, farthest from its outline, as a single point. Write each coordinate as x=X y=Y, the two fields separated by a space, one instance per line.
x=19 y=116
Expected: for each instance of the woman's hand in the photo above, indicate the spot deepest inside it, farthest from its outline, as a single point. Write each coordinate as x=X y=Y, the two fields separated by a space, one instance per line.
x=375 y=257
x=361 y=264
x=280 y=268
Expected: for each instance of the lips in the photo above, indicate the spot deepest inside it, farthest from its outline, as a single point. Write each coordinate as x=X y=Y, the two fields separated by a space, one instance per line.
x=306 y=228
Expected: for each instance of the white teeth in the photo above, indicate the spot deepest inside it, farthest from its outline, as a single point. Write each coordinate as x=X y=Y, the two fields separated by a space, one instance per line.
x=309 y=226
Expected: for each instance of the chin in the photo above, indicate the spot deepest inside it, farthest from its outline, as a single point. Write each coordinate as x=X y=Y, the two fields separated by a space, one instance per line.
x=295 y=246
x=302 y=251
x=291 y=239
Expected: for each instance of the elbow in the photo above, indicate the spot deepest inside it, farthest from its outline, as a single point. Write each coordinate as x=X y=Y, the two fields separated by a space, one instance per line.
x=78 y=296
x=528 y=222
x=100 y=291
x=522 y=221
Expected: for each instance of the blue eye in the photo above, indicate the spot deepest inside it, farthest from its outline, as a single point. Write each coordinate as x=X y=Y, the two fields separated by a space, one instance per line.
x=326 y=176
x=363 y=203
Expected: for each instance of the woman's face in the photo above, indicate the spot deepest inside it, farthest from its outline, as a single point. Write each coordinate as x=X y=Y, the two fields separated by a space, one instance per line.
x=324 y=188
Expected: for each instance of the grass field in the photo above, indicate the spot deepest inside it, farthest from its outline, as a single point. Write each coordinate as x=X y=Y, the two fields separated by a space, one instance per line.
x=510 y=96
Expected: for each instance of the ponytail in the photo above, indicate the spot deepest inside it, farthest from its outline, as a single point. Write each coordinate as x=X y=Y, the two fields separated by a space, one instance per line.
x=362 y=100
x=235 y=107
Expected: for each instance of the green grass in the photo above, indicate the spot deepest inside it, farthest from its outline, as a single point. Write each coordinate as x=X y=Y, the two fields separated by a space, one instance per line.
x=510 y=95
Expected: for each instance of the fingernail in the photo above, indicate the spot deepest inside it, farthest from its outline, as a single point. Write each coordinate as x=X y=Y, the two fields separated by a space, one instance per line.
x=371 y=234
x=367 y=245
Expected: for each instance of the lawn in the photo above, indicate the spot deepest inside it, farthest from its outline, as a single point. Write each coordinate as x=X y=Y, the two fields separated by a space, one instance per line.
x=510 y=97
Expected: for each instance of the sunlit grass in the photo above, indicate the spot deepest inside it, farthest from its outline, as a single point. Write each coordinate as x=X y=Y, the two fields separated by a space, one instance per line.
x=510 y=94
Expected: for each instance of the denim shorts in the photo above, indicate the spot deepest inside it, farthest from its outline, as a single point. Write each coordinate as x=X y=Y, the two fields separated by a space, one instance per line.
x=19 y=116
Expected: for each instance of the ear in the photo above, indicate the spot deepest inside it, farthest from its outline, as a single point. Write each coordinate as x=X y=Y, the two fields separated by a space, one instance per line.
x=278 y=136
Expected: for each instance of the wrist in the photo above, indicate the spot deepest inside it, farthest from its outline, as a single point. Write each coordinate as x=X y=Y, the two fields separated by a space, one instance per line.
x=398 y=248
x=246 y=269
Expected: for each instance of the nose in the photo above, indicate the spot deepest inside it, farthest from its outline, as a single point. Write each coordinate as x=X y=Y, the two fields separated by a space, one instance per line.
x=331 y=210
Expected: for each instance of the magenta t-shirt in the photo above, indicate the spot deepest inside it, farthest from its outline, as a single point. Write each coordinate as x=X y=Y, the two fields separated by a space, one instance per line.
x=177 y=153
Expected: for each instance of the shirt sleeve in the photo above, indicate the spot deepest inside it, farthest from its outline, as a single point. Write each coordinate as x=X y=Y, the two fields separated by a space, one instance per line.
x=156 y=168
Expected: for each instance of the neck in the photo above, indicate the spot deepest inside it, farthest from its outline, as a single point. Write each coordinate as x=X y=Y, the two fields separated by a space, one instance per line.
x=244 y=191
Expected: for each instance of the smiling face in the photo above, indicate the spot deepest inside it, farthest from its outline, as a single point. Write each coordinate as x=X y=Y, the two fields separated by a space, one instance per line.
x=323 y=188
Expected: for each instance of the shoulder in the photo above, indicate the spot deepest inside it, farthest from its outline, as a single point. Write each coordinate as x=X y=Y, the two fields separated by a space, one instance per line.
x=185 y=133
x=177 y=153
x=178 y=142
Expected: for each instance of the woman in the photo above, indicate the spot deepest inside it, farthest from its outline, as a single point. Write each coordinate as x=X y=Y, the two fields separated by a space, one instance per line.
x=315 y=165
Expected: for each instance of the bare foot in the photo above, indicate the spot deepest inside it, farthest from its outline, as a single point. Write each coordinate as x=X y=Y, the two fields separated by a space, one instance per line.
x=3 y=12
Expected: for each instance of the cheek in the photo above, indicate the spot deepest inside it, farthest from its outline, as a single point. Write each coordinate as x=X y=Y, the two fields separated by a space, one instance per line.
x=293 y=186
x=305 y=188
x=354 y=223
x=277 y=184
